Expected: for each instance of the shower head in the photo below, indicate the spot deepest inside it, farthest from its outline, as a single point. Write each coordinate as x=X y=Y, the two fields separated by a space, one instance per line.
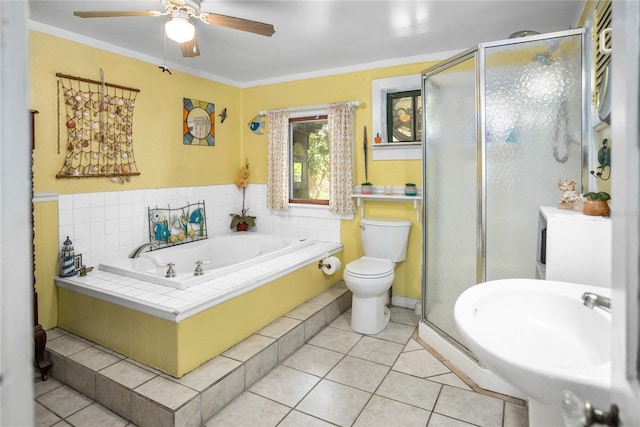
x=523 y=33
x=540 y=58
x=546 y=58
x=543 y=58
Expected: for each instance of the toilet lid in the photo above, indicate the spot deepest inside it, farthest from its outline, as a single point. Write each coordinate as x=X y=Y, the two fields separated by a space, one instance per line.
x=370 y=267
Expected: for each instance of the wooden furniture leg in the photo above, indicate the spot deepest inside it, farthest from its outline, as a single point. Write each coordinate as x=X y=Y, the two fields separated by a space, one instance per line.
x=40 y=338
x=39 y=335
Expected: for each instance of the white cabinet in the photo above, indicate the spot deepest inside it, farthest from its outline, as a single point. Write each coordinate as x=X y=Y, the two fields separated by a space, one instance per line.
x=577 y=247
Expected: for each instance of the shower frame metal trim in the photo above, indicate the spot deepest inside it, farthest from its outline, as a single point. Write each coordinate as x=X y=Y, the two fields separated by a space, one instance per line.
x=478 y=53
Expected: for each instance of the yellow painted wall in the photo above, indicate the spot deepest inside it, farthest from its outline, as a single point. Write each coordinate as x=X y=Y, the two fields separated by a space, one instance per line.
x=348 y=87
x=164 y=161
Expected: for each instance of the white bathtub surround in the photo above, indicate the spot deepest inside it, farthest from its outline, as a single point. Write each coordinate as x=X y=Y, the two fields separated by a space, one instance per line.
x=105 y=226
x=178 y=304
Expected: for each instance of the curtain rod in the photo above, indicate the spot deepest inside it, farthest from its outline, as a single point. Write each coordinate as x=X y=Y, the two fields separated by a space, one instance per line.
x=353 y=104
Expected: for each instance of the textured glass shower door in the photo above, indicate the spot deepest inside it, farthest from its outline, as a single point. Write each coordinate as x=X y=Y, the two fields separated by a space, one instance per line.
x=503 y=123
x=452 y=199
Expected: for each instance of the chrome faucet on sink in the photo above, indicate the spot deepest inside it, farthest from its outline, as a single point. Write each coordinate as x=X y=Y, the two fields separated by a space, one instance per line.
x=591 y=300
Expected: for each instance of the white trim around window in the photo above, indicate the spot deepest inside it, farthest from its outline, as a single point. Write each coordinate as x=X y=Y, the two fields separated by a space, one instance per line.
x=379 y=89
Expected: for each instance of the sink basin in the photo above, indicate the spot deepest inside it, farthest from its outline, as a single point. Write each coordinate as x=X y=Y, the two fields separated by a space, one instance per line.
x=538 y=336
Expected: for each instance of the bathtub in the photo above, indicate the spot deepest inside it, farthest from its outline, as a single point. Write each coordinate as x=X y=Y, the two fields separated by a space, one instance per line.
x=176 y=330
x=218 y=256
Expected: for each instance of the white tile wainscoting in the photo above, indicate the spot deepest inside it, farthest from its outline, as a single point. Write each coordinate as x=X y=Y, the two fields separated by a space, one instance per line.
x=105 y=226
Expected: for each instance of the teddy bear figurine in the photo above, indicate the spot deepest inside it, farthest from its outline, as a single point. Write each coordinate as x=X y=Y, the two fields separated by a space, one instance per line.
x=571 y=199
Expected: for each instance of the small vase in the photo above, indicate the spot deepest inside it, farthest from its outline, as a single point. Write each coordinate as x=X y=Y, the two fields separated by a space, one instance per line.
x=596 y=208
x=410 y=191
x=366 y=189
x=242 y=226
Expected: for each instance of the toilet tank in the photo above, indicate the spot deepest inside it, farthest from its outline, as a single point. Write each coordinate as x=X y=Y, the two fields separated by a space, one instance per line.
x=385 y=238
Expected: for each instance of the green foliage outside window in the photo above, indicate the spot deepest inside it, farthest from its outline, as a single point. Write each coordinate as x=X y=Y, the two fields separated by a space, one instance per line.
x=310 y=172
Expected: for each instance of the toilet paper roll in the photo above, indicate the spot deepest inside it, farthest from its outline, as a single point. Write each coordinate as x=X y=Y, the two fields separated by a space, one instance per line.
x=330 y=265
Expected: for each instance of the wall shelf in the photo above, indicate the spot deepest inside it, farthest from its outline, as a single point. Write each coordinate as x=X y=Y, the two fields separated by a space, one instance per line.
x=395 y=197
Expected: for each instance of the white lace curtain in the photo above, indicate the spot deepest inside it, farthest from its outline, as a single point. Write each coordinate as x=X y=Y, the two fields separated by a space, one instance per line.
x=340 y=119
x=278 y=161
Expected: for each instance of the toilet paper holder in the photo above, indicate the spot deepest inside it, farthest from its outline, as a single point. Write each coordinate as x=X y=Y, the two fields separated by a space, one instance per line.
x=329 y=265
x=321 y=264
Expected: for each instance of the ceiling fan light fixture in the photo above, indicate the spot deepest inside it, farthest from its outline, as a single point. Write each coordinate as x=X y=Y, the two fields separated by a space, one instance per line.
x=179 y=29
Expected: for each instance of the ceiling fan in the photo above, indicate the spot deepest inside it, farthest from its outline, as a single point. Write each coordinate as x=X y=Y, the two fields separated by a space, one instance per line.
x=179 y=26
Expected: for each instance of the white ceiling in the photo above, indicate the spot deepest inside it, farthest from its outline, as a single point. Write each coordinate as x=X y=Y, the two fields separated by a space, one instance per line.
x=312 y=37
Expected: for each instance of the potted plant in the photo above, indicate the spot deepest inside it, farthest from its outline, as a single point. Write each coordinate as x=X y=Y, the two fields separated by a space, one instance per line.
x=366 y=187
x=242 y=221
x=596 y=204
x=410 y=189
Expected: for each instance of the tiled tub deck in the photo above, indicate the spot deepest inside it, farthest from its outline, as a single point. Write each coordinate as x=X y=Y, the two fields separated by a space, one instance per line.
x=131 y=389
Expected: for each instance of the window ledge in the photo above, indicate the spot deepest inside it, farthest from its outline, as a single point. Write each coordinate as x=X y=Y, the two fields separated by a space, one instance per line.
x=397 y=151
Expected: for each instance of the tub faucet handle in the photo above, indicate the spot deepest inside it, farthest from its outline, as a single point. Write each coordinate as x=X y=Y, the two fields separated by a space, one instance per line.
x=170 y=271
x=199 y=271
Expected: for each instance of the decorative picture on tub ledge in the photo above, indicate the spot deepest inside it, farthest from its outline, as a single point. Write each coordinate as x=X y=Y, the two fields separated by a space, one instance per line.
x=170 y=227
x=198 y=122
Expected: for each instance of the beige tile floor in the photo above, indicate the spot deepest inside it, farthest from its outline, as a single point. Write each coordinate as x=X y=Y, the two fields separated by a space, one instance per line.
x=339 y=377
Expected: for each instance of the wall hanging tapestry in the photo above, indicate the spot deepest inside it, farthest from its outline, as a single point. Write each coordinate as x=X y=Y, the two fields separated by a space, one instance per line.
x=98 y=122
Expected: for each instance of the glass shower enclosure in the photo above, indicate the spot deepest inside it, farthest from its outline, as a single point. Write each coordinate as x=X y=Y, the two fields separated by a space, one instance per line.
x=503 y=124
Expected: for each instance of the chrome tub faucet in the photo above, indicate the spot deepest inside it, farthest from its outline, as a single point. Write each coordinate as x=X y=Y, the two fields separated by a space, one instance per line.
x=137 y=251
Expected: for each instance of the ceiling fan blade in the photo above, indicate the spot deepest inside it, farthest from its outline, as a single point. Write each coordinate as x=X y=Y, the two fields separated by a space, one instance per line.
x=115 y=14
x=240 y=24
x=190 y=48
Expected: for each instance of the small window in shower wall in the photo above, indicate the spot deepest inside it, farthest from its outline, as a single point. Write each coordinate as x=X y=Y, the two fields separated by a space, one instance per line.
x=404 y=116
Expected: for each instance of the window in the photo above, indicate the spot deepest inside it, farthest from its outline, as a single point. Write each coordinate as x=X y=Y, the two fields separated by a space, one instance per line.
x=602 y=19
x=309 y=160
x=404 y=116
x=380 y=89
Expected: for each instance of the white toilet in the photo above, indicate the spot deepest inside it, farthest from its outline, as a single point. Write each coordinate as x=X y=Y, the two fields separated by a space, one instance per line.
x=370 y=277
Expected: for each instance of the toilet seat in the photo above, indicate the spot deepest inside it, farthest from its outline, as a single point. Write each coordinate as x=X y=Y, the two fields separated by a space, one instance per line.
x=370 y=268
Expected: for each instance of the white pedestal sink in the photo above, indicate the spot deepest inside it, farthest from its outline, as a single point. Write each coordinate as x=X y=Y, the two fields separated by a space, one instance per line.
x=539 y=336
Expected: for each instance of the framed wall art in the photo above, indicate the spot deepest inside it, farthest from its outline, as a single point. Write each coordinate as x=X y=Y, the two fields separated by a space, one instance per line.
x=198 y=123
